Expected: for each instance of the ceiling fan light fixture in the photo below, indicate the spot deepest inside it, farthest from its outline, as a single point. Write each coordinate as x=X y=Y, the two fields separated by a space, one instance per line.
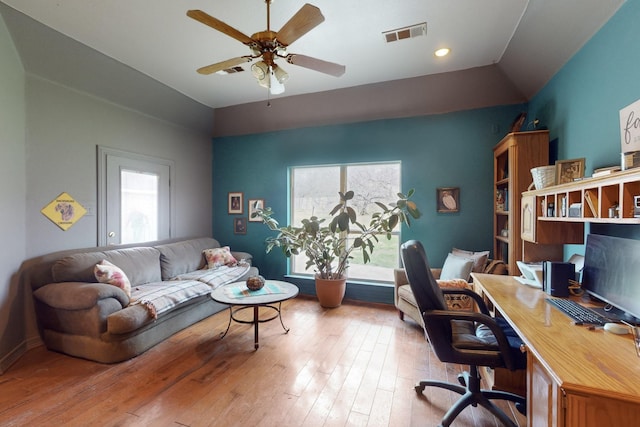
x=276 y=87
x=280 y=74
x=260 y=70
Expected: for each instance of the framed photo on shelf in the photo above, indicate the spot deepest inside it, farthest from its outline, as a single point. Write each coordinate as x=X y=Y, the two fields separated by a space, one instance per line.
x=569 y=170
x=236 y=203
x=448 y=199
x=240 y=225
x=254 y=205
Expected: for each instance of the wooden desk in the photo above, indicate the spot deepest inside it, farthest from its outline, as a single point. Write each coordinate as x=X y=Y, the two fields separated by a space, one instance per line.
x=575 y=376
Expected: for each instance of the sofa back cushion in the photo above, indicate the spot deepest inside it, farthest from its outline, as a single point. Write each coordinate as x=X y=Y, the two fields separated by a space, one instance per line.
x=184 y=257
x=141 y=265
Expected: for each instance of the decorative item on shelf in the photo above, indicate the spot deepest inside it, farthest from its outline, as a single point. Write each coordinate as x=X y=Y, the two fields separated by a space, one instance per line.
x=518 y=122
x=630 y=160
x=636 y=206
x=551 y=210
x=569 y=170
x=255 y=283
x=614 y=211
x=505 y=231
x=499 y=200
x=543 y=176
x=325 y=246
x=575 y=210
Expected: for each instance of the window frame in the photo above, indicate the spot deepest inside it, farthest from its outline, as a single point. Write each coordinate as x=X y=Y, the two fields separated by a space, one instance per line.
x=343 y=177
x=104 y=156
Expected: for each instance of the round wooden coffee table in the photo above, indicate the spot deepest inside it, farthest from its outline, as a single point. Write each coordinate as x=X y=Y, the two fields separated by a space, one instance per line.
x=238 y=298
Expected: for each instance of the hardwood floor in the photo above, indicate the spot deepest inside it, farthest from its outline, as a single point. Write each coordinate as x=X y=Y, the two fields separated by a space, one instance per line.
x=355 y=365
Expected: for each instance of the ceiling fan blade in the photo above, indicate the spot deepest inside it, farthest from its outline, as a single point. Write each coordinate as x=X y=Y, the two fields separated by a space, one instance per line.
x=217 y=24
x=316 y=64
x=229 y=63
x=307 y=18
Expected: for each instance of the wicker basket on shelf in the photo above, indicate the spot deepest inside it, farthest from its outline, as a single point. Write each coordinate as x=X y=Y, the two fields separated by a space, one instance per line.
x=543 y=176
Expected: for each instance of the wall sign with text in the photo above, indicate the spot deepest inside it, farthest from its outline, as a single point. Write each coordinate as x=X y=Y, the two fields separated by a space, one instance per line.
x=64 y=211
x=630 y=128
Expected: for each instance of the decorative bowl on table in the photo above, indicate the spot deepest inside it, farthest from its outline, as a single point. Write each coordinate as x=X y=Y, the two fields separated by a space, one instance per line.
x=255 y=283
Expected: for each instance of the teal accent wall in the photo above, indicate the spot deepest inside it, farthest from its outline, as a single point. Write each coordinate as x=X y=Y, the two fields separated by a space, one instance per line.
x=581 y=104
x=448 y=150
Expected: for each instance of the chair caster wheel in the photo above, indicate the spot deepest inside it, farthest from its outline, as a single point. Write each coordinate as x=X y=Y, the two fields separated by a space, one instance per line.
x=419 y=389
x=522 y=408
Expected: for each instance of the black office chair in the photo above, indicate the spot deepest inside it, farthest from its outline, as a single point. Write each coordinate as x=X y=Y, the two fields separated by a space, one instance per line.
x=469 y=338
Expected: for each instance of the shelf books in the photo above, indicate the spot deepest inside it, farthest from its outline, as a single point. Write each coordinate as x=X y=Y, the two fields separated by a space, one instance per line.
x=605 y=171
x=592 y=202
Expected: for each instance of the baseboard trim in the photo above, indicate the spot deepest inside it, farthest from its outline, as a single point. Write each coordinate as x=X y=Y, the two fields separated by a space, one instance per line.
x=17 y=352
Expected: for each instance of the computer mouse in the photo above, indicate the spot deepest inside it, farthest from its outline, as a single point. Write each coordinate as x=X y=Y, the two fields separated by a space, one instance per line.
x=616 y=328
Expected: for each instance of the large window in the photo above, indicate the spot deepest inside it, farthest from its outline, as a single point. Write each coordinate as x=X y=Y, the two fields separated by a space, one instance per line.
x=314 y=191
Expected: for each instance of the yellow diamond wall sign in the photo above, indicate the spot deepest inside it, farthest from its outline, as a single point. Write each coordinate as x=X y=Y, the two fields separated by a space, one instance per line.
x=64 y=211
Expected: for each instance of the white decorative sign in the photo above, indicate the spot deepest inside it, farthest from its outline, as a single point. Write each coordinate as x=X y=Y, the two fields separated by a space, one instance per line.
x=630 y=128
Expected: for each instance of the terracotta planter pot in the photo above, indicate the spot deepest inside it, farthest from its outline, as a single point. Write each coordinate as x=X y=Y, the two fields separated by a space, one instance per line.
x=330 y=291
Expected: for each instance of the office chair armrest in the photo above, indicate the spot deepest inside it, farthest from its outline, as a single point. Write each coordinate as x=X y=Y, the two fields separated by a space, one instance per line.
x=478 y=318
x=482 y=306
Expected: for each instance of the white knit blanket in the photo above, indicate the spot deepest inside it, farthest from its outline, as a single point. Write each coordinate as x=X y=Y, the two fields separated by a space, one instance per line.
x=161 y=297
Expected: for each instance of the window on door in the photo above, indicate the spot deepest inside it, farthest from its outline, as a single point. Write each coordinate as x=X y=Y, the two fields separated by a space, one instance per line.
x=314 y=191
x=134 y=197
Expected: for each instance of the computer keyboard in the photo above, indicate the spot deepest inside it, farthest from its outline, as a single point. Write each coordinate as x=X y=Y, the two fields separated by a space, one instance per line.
x=577 y=312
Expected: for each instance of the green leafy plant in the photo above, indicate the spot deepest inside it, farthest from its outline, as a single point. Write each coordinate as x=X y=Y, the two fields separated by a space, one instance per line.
x=325 y=245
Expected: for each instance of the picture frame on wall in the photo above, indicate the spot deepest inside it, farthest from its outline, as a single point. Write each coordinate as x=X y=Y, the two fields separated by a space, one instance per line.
x=254 y=205
x=448 y=199
x=240 y=225
x=569 y=170
x=236 y=203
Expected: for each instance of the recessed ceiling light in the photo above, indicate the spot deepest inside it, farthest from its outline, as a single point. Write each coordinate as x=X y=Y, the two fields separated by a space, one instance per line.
x=442 y=52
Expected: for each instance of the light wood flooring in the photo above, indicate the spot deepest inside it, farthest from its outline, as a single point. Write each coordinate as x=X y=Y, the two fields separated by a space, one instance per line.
x=355 y=365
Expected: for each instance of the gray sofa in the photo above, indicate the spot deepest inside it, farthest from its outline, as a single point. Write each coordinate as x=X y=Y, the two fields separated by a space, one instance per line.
x=97 y=321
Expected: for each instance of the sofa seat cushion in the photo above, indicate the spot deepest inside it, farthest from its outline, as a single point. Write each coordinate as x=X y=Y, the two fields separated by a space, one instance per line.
x=216 y=276
x=140 y=264
x=160 y=297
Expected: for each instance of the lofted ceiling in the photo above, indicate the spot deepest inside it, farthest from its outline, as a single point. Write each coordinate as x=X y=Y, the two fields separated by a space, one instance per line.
x=529 y=40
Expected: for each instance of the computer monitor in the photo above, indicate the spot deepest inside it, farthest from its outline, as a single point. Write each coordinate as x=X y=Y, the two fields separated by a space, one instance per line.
x=612 y=273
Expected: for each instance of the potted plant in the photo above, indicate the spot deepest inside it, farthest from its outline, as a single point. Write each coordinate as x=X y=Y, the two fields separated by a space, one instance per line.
x=325 y=245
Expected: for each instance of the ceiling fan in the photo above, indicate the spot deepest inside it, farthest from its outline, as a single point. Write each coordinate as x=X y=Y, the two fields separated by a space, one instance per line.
x=271 y=45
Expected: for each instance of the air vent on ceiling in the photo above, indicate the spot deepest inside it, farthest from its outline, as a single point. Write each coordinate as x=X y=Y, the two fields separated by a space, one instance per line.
x=231 y=70
x=412 y=31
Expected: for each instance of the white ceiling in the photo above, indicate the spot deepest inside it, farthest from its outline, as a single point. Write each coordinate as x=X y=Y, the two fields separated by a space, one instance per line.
x=528 y=39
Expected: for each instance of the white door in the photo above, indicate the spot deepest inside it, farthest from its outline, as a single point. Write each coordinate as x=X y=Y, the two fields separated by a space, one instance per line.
x=135 y=198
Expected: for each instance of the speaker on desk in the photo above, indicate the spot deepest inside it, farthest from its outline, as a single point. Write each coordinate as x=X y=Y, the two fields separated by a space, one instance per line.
x=556 y=276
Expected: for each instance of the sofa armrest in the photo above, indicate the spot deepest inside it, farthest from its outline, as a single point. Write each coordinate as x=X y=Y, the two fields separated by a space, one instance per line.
x=238 y=255
x=78 y=295
x=400 y=276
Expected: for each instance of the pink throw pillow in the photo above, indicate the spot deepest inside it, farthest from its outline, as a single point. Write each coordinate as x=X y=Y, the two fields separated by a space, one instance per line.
x=106 y=272
x=219 y=256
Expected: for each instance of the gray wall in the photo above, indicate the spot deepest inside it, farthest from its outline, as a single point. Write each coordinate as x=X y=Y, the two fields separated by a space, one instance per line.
x=48 y=135
x=64 y=128
x=13 y=193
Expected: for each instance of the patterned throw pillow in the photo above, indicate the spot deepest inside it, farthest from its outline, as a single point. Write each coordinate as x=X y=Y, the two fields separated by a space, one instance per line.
x=219 y=256
x=106 y=272
x=457 y=302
